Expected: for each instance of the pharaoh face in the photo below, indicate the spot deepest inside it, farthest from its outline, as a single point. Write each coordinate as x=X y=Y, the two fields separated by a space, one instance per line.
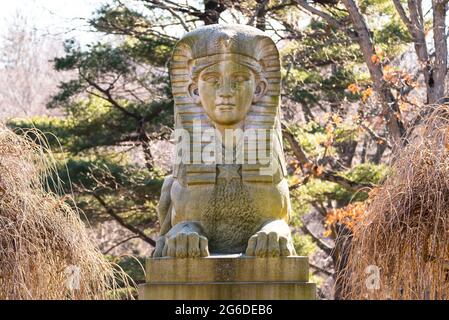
x=226 y=91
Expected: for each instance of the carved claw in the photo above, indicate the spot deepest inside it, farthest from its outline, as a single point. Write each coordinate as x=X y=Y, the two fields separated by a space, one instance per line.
x=182 y=245
x=160 y=242
x=270 y=244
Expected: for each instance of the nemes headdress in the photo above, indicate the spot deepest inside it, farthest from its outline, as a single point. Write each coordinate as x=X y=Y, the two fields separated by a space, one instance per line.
x=211 y=44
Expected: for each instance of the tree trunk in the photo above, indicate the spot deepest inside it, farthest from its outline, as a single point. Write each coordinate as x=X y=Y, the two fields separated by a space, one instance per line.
x=260 y=16
x=434 y=73
x=146 y=148
x=380 y=149
x=340 y=256
x=440 y=40
x=390 y=106
x=415 y=26
x=212 y=11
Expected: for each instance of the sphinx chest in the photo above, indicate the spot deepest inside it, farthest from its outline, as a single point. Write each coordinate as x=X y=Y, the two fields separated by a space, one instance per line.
x=230 y=217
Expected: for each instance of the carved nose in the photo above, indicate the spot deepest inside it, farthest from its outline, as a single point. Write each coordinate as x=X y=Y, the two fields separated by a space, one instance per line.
x=225 y=89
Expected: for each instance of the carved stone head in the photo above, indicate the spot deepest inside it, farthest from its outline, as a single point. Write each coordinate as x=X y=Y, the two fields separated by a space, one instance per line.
x=227 y=76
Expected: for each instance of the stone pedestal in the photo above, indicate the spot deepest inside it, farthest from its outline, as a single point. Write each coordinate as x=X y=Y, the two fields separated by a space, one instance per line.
x=228 y=277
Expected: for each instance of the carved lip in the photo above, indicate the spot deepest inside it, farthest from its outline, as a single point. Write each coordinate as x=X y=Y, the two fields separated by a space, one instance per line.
x=226 y=107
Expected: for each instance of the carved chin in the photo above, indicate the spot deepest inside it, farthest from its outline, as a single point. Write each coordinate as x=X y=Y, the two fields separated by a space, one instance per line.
x=227 y=117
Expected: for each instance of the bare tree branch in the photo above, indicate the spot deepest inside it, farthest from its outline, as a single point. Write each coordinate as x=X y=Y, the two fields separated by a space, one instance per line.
x=161 y=5
x=119 y=243
x=108 y=97
x=319 y=269
x=307 y=166
x=259 y=13
x=122 y=222
x=328 y=18
x=320 y=243
x=375 y=136
x=403 y=14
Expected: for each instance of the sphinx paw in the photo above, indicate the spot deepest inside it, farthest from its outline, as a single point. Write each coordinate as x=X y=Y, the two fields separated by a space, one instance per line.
x=160 y=243
x=186 y=245
x=270 y=244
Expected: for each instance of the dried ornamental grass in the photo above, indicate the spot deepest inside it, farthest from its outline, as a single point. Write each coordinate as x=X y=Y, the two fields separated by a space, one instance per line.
x=404 y=232
x=45 y=252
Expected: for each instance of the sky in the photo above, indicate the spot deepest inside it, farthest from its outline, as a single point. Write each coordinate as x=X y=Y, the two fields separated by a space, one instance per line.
x=61 y=18
x=58 y=18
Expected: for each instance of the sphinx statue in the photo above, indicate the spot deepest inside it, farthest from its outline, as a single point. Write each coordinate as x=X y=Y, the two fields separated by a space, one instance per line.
x=226 y=78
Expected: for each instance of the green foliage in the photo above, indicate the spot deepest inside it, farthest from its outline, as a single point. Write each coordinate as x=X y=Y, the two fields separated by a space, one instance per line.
x=86 y=166
x=392 y=37
x=376 y=7
x=345 y=133
x=310 y=136
x=303 y=244
x=95 y=123
x=101 y=67
x=100 y=59
x=54 y=129
x=319 y=191
x=304 y=61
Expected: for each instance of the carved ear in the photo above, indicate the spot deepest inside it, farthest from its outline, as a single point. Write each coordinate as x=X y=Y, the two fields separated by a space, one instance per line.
x=260 y=90
x=193 y=92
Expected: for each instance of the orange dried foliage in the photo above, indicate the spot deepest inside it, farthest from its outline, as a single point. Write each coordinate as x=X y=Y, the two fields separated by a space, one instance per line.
x=398 y=78
x=367 y=93
x=375 y=59
x=336 y=119
x=354 y=88
x=317 y=170
x=349 y=216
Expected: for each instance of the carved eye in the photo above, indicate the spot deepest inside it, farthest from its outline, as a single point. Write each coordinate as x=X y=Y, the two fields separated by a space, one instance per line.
x=240 y=78
x=211 y=79
x=195 y=92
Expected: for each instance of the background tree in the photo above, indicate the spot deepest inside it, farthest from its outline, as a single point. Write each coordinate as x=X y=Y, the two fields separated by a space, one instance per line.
x=27 y=77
